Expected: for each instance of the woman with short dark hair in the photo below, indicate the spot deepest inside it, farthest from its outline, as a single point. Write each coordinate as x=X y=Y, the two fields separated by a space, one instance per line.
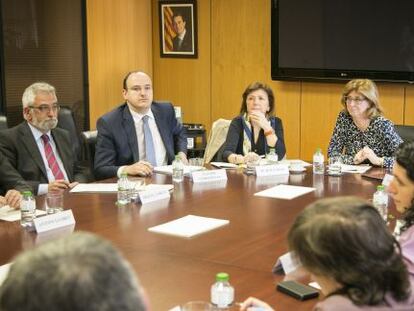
x=255 y=130
x=346 y=246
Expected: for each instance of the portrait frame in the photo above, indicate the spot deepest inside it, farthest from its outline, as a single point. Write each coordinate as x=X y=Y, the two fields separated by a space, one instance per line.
x=178 y=28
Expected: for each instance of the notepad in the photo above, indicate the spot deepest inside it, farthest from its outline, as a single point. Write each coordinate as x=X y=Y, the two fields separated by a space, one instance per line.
x=286 y=192
x=167 y=169
x=8 y=213
x=189 y=226
x=225 y=165
x=356 y=169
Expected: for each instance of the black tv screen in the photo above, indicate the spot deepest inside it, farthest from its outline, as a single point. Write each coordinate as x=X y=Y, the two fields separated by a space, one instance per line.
x=343 y=39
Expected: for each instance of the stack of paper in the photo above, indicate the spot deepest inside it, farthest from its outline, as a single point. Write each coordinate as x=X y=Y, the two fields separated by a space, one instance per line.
x=356 y=169
x=8 y=213
x=284 y=192
x=189 y=226
x=225 y=165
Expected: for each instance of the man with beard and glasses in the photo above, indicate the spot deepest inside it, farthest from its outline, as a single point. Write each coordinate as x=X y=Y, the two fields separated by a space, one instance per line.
x=139 y=134
x=40 y=152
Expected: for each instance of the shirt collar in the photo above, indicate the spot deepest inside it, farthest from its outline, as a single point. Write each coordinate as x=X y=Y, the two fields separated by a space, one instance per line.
x=37 y=133
x=138 y=116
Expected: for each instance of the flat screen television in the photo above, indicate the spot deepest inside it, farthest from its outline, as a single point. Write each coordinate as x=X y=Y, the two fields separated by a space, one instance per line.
x=342 y=40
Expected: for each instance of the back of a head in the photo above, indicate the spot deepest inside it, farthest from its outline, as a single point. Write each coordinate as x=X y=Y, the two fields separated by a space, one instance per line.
x=79 y=272
x=346 y=239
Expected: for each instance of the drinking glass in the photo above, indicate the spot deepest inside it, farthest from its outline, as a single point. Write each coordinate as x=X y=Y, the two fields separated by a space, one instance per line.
x=197 y=306
x=54 y=202
x=335 y=166
x=135 y=185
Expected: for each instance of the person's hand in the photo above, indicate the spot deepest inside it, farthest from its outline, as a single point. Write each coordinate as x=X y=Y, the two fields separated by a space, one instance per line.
x=252 y=303
x=251 y=157
x=359 y=157
x=141 y=168
x=183 y=157
x=13 y=198
x=73 y=184
x=372 y=157
x=59 y=184
x=259 y=119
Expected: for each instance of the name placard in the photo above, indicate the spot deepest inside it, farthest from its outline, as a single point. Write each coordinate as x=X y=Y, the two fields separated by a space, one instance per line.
x=208 y=176
x=387 y=180
x=272 y=170
x=148 y=196
x=286 y=263
x=54 y=221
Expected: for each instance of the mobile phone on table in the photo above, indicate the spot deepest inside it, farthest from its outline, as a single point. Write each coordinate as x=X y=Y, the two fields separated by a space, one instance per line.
x=297 y=290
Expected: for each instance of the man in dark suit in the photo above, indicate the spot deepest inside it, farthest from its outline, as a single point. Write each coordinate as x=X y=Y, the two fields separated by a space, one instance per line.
x=182 y=42
x=40 y=152
x=10 y=184
x=139 y=134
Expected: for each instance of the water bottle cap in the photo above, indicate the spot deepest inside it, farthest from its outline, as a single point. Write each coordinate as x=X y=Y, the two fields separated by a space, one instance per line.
x=380 y=187
x=177 y=157
x=318 y=150
x=26 y=193
x=222 y=276
x=124 y=174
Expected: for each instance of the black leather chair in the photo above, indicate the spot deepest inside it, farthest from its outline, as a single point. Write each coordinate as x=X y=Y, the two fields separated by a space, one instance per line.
x=88 y=143
x=406 y=132
x=3 y=123
x=67 y=122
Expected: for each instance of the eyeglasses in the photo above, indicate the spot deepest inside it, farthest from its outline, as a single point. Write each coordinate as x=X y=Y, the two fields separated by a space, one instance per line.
x=46 y=108
x=357 y=100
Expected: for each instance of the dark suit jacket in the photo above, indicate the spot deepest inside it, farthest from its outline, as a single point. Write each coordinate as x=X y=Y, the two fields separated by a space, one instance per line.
x=10 y=178
x=186 y=45
x=117 y=143
x=20 y=148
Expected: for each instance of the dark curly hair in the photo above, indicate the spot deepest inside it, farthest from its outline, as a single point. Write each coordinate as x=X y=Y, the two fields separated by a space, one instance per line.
x=345 y=239
x=404 y=156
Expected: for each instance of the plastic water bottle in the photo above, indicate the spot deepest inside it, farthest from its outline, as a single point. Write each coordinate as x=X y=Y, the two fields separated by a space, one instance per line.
x=178 y=169
x=271 y=157
x=222 y=293
x=123 y=190
x=380 y=201
x=318 y=162
x=27 y=209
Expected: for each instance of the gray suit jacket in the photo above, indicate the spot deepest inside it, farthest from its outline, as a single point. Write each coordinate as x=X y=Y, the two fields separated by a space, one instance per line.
x=20 y=148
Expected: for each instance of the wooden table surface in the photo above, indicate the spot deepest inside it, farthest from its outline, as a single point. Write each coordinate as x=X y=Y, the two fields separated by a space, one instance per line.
x=175 y=270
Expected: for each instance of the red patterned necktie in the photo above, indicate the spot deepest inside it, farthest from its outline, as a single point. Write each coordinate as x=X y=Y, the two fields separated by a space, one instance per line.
x=51 y=159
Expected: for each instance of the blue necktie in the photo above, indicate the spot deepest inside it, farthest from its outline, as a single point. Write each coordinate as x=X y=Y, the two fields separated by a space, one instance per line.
x=149 y=143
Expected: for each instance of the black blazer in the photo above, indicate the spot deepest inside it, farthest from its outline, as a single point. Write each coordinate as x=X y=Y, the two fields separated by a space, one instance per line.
x=20 y=148
x=10 y=178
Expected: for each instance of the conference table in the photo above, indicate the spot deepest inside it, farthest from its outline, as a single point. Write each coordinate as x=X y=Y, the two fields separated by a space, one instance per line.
x=176 y=270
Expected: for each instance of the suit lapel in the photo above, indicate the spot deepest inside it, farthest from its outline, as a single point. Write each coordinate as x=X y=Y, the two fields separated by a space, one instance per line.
x=32 y=148
x=131 y=135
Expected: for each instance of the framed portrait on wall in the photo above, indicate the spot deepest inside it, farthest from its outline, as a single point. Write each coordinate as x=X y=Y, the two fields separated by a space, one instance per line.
x=178 y=28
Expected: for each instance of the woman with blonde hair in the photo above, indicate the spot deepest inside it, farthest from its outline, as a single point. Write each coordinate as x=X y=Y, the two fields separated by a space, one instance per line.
x=361 y=133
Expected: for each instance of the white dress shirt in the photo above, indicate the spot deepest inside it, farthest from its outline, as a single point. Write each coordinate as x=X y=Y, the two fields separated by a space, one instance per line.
x=40 y=145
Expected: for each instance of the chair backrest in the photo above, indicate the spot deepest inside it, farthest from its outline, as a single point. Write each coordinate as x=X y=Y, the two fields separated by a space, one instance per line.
x=406 y=132
x=3 y=123
x=216 y=140
x=89 y=139
x=67 y=122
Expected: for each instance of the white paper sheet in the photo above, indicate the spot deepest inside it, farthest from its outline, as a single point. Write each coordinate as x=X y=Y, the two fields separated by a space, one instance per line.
x=113 y=187
x=296 y=161
x=8 y=213
x=225 y=165
x=355 y=169
x=189 y=226
x=4 y=271
x=287 y=192
x=167 y=169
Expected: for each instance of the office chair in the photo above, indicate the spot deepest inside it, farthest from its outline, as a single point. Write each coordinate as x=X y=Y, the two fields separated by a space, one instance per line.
x=406 y=132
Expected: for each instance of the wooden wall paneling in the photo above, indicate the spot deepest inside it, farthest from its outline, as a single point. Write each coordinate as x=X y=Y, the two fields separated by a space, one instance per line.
x=119 y=40
x=320 y=106
x=409 y=105
x=240 y=56
x=392 y=100
x=185 y=81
